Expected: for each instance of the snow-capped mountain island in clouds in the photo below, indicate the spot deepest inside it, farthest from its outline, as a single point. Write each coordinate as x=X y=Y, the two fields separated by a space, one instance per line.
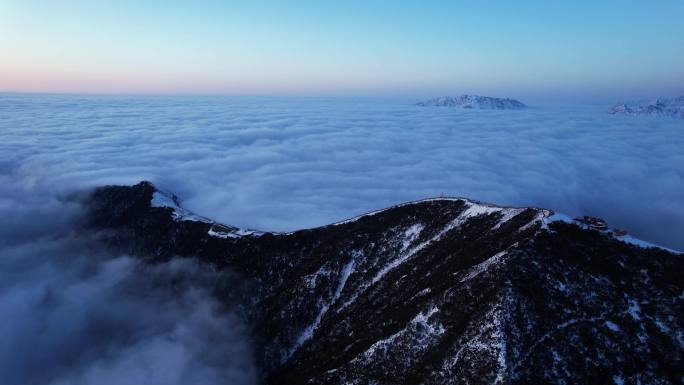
x=474 y=102
x=673 y=107
x=438 y=291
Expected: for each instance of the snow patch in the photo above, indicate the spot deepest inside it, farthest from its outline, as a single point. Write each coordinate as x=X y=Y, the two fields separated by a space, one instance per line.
x=555 y=217
x=234 y=233
x=634 y=310
x=428 y=332
x=472 y=211
x=612 y=326
x=638 y=242
x=485 y=207
x=309 y=330
x=165 y=199
x=482 y=266
x=562 y=287
x=507 y=215
x=168 y=200
x=311 y=280
x=410 y=235
x=663 y=328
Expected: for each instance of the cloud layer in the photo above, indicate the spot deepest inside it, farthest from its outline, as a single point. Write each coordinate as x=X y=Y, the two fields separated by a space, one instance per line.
x=284 y=164
x=74 y=314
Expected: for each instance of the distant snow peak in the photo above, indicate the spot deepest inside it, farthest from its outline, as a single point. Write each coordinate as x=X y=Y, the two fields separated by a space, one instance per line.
x=474 y=102
x=673 y=107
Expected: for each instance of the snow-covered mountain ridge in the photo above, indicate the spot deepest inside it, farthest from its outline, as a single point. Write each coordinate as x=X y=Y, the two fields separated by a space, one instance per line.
x=440 y=291
x=673 y=107
x=474 y=102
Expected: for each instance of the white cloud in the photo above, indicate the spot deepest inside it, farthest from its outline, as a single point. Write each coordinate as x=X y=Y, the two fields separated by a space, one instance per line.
x=273 y=164
x=283 y=164
x=73 y=314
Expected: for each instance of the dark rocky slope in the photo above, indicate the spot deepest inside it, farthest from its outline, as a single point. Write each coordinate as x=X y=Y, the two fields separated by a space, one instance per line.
x=442 y=291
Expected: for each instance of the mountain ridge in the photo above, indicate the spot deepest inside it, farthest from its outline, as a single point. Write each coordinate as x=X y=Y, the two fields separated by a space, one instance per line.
x=672 y=107
x=550 y=216
x=438 y=291
x=474 y=102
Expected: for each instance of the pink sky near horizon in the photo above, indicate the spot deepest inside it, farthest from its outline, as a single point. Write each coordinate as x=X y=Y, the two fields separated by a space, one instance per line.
x=346 y=48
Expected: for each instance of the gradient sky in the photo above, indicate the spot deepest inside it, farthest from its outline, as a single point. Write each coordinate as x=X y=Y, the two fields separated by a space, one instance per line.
x=607 y=48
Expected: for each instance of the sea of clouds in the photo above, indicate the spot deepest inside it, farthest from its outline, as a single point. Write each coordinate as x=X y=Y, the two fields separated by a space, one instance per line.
x=283 y=164
x=275 y=164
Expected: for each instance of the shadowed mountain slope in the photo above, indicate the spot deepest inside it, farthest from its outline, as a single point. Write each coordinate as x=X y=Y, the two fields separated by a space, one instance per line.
x=440 y=291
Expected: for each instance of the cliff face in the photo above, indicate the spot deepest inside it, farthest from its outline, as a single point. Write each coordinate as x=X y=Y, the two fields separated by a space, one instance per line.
x=438 y=291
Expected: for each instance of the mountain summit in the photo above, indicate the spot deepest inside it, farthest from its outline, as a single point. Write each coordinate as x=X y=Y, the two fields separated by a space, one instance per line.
x=438 y=291
x=673 y=107
x=474 y=102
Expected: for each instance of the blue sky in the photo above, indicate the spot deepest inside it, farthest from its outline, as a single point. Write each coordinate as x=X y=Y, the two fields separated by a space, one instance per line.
x=608 y=48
